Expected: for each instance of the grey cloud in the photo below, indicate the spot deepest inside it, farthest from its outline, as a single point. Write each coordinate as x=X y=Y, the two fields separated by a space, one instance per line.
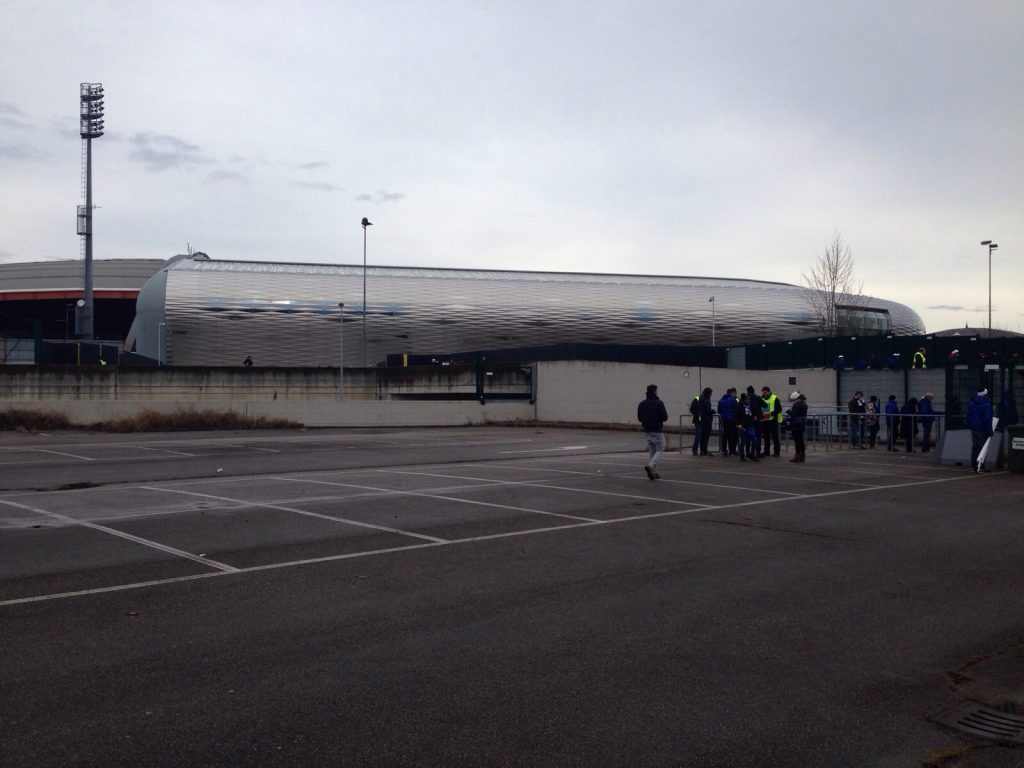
x=10 y=122
x=159 y=152
x=218 y=176
x=313 y=165
x=323 y=186
x=16 y=152
x=957 y=308
x=383 y=196
x=10 y=116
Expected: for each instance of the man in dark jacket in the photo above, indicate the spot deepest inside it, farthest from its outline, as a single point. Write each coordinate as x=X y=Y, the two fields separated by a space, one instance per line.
x=757 y=408
x=797 y=424
x=927 y=411
x=652 y=416
x=857 y=408
x=979 y=421
x=706 y=416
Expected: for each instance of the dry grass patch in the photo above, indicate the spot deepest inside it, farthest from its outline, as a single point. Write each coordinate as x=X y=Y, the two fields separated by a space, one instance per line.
x=190 y=421
x=31 y=421
x=146 y=421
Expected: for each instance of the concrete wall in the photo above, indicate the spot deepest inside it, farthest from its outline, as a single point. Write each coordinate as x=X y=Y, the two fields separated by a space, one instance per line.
x=593 y=392
x=570 y=392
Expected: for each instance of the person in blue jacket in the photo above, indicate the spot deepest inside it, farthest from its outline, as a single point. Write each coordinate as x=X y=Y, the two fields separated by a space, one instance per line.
x=892 y=423
x=727 y=412
x=909 y=426
x=927 y=413
x=979 y=421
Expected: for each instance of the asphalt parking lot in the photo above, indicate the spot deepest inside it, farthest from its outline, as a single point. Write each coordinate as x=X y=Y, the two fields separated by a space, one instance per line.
x=497 y=596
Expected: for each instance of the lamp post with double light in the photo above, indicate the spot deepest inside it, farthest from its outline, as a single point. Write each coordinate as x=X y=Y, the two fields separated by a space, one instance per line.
x=712 y=300
x=366 y=223
x=991 y=247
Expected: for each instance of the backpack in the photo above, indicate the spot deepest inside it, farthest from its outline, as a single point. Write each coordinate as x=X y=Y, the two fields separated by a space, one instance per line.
x=695 y=407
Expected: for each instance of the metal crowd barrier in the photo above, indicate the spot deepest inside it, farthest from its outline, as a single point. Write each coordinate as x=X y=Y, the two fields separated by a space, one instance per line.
x=830 y=430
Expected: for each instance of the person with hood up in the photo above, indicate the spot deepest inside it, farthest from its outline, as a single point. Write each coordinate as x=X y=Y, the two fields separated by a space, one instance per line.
x=706 y=417
x=652 y=416
x=979 y=421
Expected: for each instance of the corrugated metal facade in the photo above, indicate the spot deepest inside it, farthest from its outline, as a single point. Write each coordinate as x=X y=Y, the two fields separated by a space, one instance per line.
x=217 y=312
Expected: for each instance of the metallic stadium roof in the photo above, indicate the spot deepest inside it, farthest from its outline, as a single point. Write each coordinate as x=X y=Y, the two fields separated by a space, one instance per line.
x=203 y=312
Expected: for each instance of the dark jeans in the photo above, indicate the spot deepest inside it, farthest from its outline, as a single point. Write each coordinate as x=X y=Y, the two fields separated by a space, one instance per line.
x=892 y=427
x=873 y=434
x=798 y=440
x=926 y=438
x=770 y=431
x=705 y=435
x=696 y=438
x=978 y=438
x=856 y=430
x=730 y=436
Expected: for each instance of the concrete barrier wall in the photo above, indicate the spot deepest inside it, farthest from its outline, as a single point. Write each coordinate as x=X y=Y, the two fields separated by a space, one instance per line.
x=579 y=392
x=608 y=393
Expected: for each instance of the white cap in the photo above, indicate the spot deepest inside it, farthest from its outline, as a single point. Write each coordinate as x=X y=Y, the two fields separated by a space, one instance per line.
x=794 y=396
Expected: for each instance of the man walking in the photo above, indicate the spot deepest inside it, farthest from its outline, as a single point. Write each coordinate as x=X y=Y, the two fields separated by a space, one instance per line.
x=979 y=421
x=652 y=416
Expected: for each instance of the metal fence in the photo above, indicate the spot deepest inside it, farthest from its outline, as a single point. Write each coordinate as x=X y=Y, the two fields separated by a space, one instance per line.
x=837 y=430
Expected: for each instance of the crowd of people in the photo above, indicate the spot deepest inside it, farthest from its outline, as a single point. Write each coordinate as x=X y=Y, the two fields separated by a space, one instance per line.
x=751 y=423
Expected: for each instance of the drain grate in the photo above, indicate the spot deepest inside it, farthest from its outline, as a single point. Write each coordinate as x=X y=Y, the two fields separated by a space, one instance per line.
x=985 y=722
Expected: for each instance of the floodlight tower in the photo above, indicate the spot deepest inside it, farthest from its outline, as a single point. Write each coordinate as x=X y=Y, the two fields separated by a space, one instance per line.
x=90 y=127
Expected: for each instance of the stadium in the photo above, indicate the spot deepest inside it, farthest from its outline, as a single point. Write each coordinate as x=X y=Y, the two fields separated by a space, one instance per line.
x=197 y=311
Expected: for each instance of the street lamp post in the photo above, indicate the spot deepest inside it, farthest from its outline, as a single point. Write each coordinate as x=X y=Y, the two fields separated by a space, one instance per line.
x=991 y=247
x=366 y=223
x=712 y=300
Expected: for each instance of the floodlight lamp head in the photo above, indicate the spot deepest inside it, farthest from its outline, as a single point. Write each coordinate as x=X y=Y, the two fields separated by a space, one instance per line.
x=986 y=242
x=367 y=223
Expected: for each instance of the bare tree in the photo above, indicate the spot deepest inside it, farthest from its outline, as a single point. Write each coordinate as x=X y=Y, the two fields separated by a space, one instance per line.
x=833 y=294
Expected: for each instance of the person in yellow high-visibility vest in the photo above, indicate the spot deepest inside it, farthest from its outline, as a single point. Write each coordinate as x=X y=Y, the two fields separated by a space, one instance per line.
x=772 y=421
x=920 y=361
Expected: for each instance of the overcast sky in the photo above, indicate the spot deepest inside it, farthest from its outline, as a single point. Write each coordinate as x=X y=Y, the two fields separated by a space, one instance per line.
x=720 y=139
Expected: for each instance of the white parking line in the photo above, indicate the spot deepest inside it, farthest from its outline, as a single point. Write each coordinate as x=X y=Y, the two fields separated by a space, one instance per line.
x=60 y=453
x=297 y=512
x=122 y=535
x=636 y=476
x=428 y=495
x=486 y=537
x=545 y=485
